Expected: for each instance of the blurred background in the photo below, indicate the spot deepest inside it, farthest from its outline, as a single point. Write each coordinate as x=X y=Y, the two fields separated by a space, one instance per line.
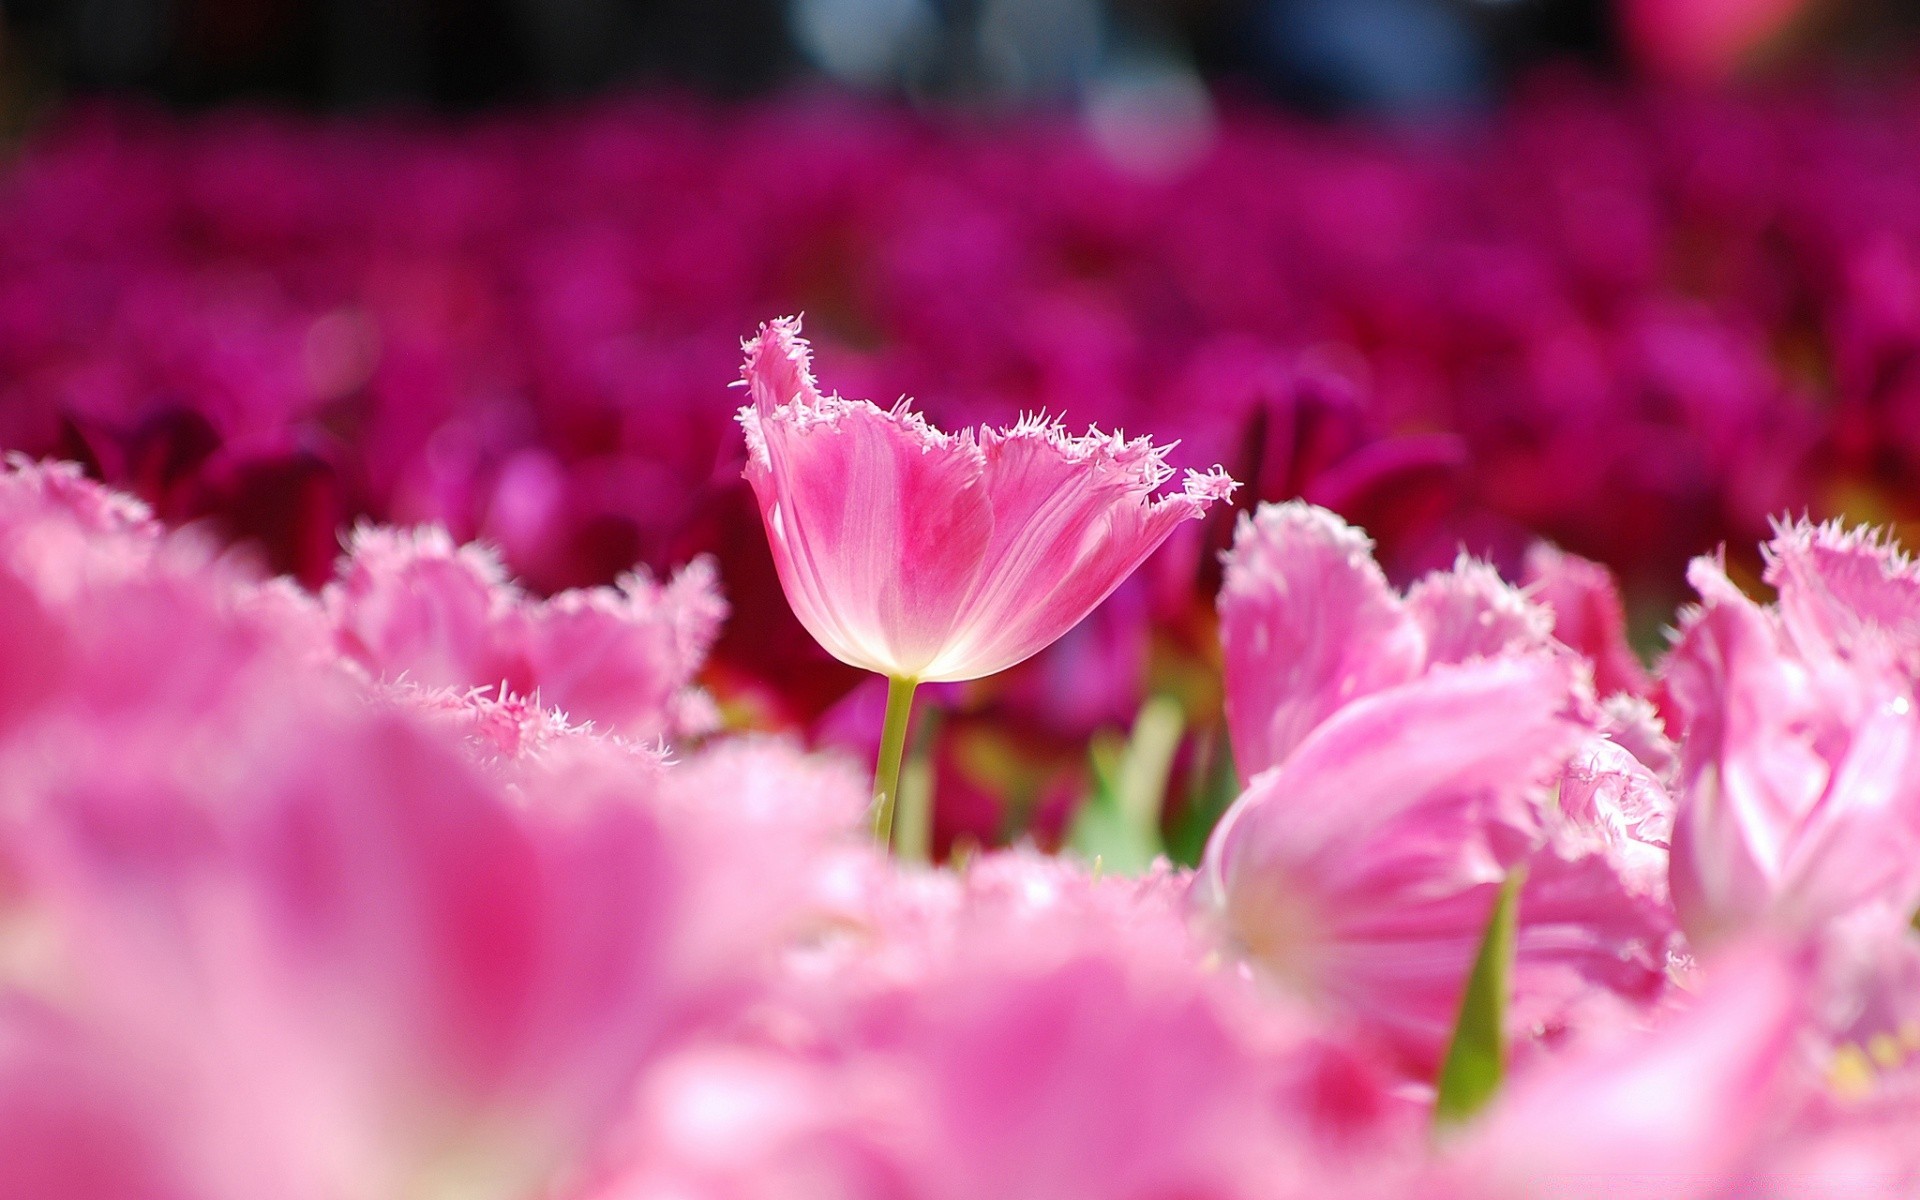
x=1632 y=277
x=1395 y=55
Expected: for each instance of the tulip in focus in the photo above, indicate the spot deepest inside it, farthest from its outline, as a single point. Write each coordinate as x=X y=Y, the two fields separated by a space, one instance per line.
x=933 y=557
x=1800 y=740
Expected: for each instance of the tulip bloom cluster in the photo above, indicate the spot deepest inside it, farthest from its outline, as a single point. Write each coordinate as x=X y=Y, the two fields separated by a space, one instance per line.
x=922 y=556
x=442 y=867
x=419 y=885
x=1636 y=324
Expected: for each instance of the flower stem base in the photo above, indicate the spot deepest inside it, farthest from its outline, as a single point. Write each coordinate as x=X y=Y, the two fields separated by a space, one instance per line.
x=893 y=744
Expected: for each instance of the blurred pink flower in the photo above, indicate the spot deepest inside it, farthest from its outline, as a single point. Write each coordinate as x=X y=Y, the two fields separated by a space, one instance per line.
x=929 y=556
x=413 y=606
x=1705 y=40
x=1025 y=1029
x=1679 y=1112
x=268 y=926
x=1865 y=1042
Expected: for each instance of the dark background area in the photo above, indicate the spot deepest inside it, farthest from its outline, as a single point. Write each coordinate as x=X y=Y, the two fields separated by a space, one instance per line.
x=1322 y=54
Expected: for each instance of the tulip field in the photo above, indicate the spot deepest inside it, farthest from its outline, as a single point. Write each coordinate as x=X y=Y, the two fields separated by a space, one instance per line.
x=651 y=649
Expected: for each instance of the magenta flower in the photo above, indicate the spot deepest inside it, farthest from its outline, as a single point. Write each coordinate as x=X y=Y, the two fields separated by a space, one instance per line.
x=927 y=556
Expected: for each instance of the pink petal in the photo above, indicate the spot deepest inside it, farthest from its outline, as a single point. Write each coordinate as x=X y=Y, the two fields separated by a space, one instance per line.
x=1746 y=782
x=1862 y=846
x=924 y=555
x=410 y=605
x=1612 y=805
x=1633 y=724
x=69 y=1128
x=1072 y=518
x=624 y=657
x=1845 y=589
x=1364 y=867
x=1591 y=929
x=1307 y=625
x=1677 y=1112
x=878 y=522
x=1800 y=771
x=31 y=489
x=1470 y=612
x=1587 y=615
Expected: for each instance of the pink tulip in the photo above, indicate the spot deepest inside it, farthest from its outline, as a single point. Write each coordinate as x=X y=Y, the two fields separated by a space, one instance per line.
x=1345 y=685
x=355 y=961
x=268 y=926
x=927 y=556
x=1362 y=870
x=413 y=605
x=1800 y=760
x=1308 y=624
x=930 y=556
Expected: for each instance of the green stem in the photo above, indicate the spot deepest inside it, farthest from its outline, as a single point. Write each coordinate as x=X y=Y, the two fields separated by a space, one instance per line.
x=893 y=743
x=1477 y=1056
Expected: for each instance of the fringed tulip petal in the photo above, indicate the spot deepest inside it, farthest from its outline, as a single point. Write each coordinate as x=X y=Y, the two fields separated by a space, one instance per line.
x=938 y=557
x=1800 y=766
x=1470 y=612
x=877 y=521
x=1075 y=539
x=1847 y=589
x=1308 y=624
x=1588 y=615
x=413 y=606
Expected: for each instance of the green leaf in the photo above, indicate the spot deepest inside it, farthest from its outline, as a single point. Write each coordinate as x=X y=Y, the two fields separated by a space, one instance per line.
x=1477 y=1057
x=1212 y=787
x=1119 y=824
